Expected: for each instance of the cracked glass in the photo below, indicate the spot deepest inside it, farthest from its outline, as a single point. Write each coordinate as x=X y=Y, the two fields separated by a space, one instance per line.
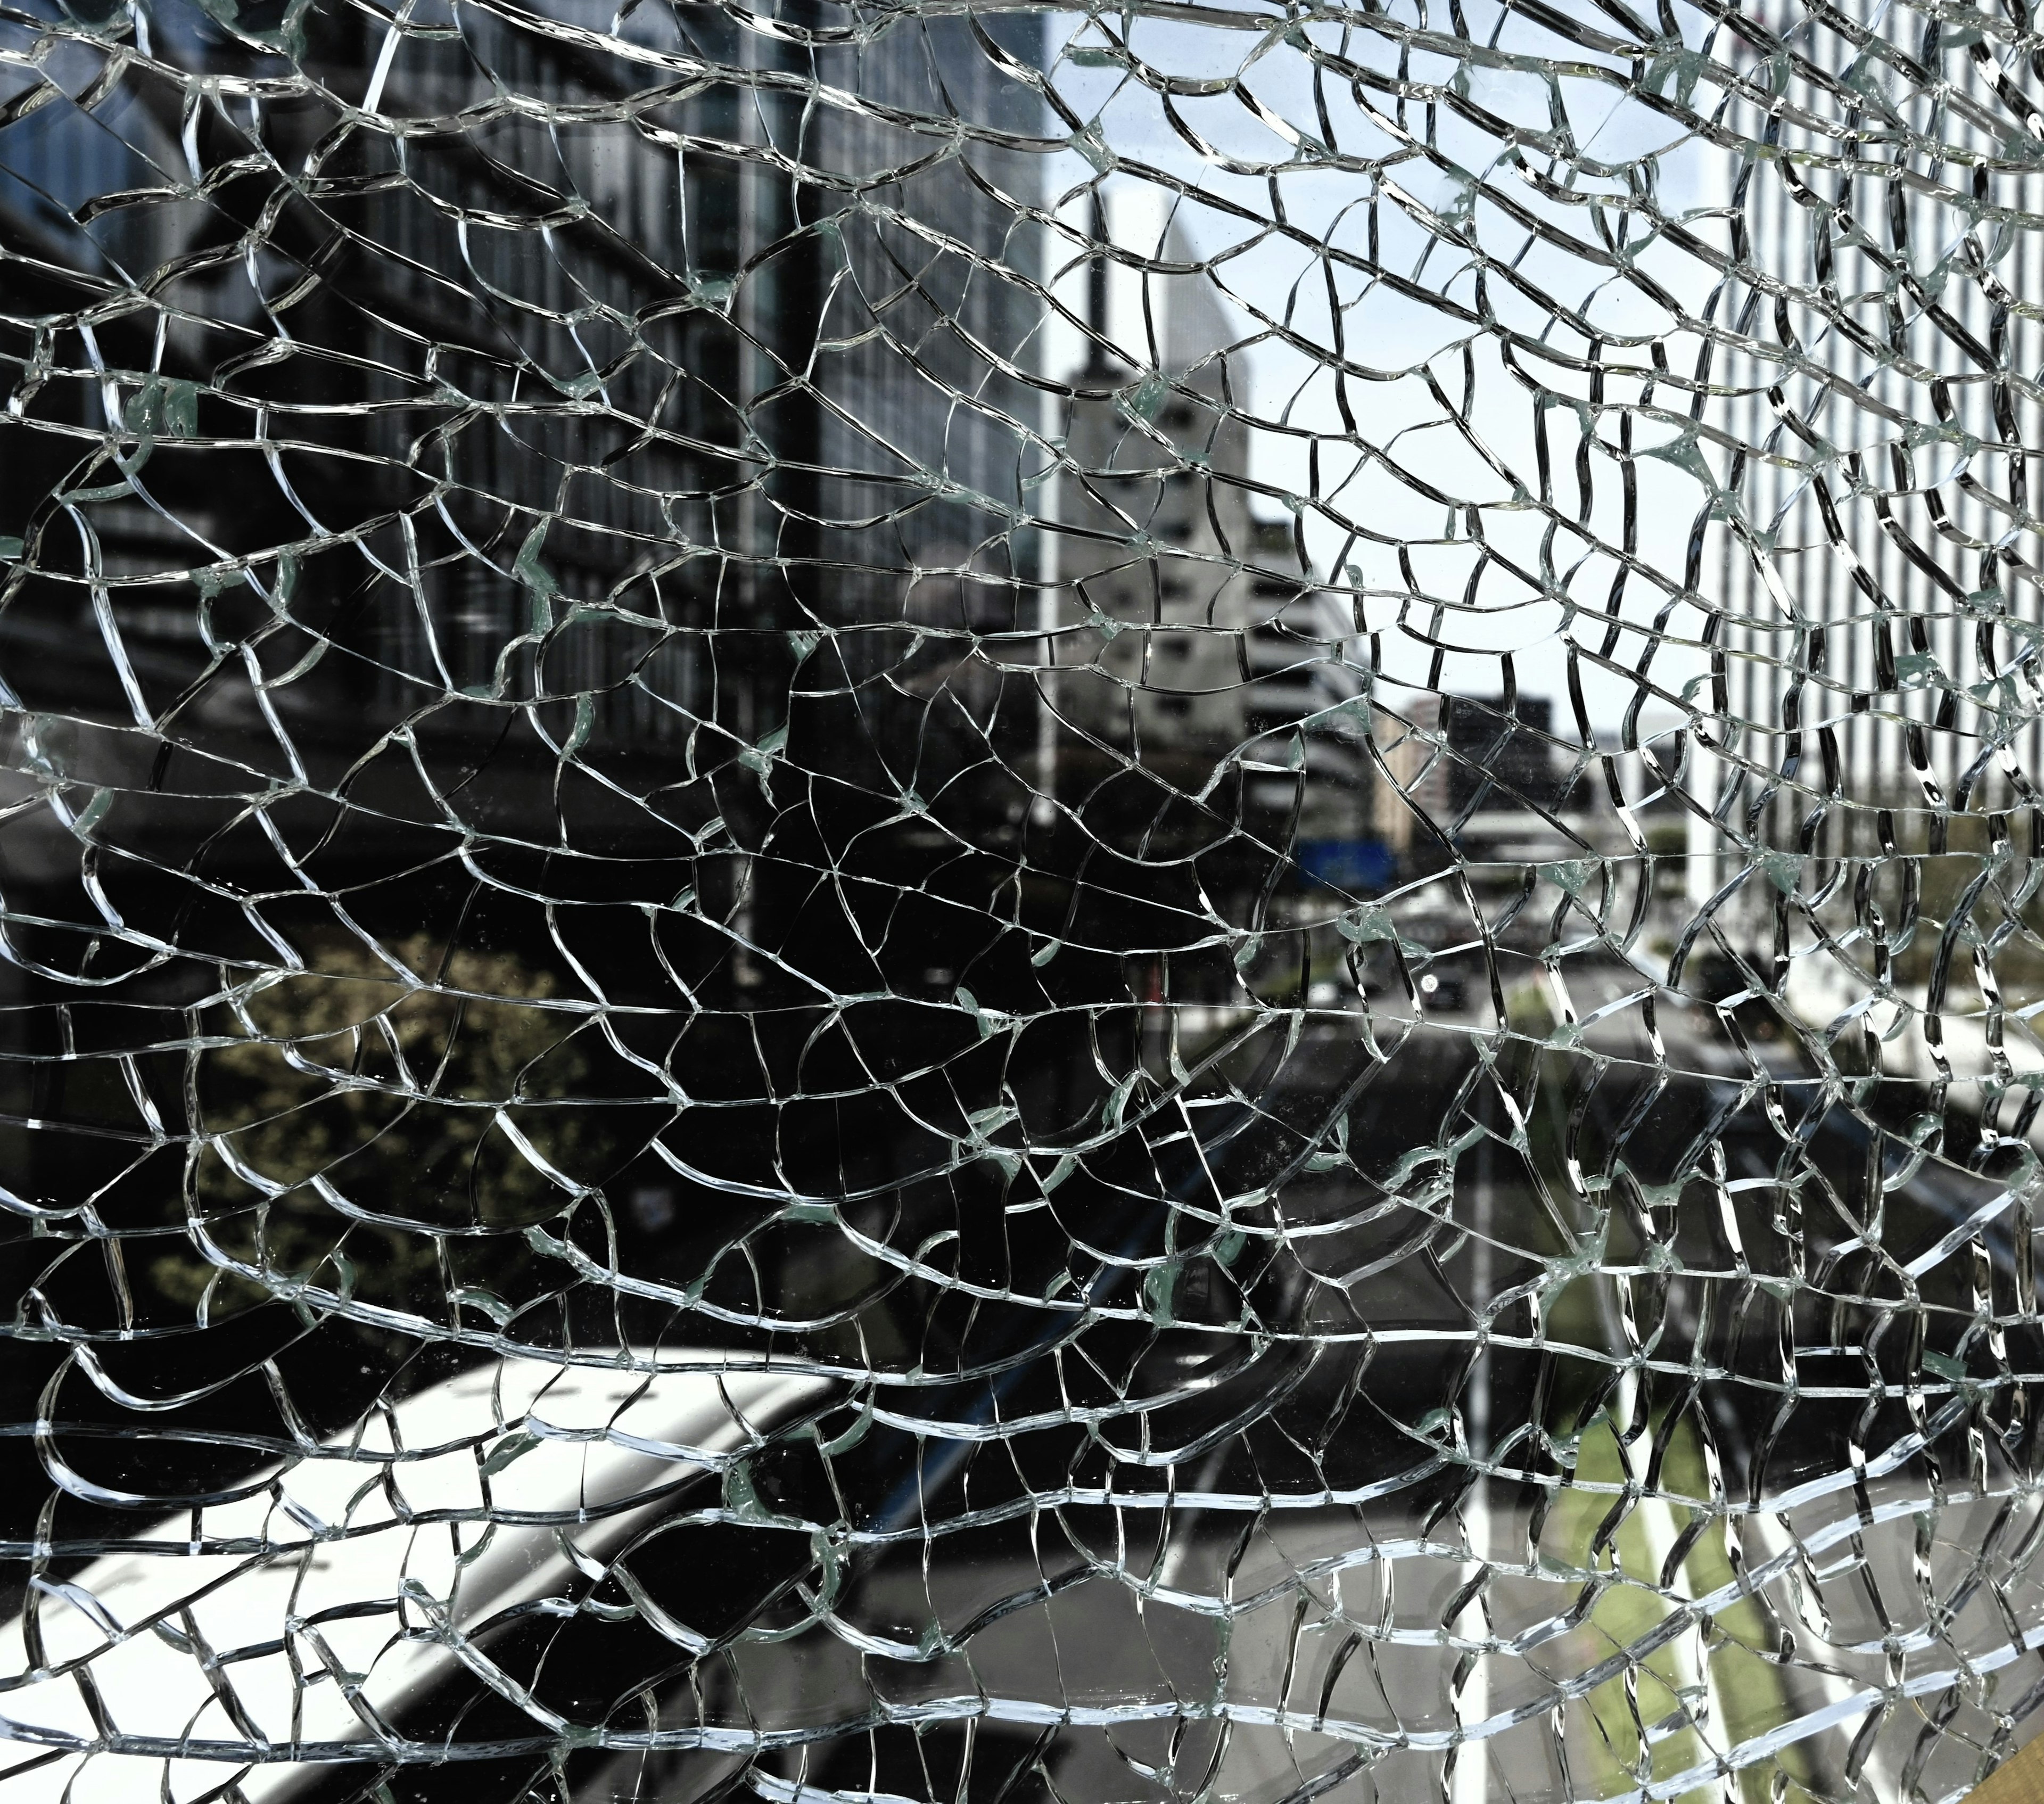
x=907 y=902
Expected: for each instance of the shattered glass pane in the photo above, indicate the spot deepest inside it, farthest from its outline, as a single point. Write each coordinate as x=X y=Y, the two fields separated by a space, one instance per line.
x=967 y=904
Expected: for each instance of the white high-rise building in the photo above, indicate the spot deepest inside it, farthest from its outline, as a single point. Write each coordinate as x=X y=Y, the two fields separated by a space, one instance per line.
x=1875 y=567
x=1188 y=630
x=1151 y=602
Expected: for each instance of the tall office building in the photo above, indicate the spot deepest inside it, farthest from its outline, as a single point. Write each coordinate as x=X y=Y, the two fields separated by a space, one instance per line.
x=1874 y=567
x=733 y=355
x=1153 y=590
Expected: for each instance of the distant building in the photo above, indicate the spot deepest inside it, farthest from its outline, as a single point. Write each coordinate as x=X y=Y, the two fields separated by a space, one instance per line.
x=1190 y=637
x=1504 y=760
x=1152 y=598
x=628 y=361
x=1304 y=709
x=1411 y=793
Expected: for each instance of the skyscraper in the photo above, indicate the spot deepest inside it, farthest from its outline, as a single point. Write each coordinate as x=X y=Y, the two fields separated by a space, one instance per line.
x=1873 y=559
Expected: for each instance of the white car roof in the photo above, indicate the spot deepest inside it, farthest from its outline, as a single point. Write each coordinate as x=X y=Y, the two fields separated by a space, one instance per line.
x=436 y=1513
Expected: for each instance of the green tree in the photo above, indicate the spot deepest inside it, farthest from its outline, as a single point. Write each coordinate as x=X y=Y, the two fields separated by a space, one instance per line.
x=387 y=1137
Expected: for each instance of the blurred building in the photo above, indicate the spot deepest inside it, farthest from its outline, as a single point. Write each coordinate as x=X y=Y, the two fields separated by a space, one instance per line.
x=1872 y=568
x=1410 y=800
x=1153 y=596
x=1503 y=756
x=1190 y=638
x=1307 y=717
x=715 y=363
